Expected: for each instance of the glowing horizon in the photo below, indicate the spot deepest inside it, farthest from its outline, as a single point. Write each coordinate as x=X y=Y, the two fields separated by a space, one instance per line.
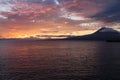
x=26 y=18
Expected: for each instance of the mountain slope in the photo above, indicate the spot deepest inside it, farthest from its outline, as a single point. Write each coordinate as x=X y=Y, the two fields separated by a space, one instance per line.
x=102 y=34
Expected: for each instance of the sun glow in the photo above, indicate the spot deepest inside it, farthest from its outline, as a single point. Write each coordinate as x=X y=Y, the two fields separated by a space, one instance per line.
x=52 y=18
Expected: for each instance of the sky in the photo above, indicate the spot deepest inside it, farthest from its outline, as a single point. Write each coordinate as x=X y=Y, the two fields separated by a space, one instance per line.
x=33 y=18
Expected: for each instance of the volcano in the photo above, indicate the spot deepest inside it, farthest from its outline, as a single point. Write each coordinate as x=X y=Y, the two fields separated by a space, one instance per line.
x=103 y=33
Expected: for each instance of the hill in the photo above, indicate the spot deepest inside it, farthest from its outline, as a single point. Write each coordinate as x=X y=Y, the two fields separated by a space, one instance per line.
x=102 y=34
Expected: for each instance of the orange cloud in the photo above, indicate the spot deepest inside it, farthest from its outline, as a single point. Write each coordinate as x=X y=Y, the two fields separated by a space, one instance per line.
x=45 y=28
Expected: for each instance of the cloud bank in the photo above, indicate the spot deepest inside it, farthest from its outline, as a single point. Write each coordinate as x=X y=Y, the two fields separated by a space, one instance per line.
x=61 y=16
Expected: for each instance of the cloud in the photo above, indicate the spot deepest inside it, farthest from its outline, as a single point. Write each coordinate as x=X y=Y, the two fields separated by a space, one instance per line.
x=75 y=16
x=51 y=9
x=3 y=17
x=111 y=13
x=19 y=15
x=43 y=9
x=23 y=10
x=5 y=7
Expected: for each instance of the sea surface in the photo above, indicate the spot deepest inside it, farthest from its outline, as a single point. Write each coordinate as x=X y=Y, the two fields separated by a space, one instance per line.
x=59 y=60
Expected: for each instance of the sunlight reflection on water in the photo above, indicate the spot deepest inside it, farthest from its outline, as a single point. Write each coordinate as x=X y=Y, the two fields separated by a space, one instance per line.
x=49 y=60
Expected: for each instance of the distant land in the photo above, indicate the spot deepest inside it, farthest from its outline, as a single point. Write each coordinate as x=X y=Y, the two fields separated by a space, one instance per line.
x=103 y=34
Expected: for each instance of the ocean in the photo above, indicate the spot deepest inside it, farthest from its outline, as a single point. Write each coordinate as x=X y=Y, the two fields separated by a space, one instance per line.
x=59 y=60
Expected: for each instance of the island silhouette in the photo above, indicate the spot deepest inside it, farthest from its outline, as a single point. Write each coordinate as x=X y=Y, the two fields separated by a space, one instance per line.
x=103 y=34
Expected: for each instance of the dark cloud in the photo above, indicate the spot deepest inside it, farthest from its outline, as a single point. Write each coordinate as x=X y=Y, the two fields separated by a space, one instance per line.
x=32 y=1
x=52 y=9
x=111 y=13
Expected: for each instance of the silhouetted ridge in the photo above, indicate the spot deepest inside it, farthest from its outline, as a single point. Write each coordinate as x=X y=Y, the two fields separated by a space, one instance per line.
x=105 y=29
x=103 y=33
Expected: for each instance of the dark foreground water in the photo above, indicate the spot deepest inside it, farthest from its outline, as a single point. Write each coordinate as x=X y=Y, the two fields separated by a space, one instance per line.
x=59 y=60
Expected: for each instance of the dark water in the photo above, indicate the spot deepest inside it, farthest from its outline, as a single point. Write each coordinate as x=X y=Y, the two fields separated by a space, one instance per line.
x=59 y=60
